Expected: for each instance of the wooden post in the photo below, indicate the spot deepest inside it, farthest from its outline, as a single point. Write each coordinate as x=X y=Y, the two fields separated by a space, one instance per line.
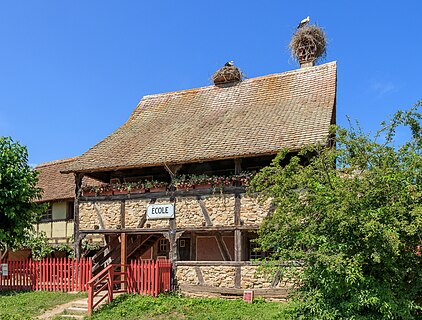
x=123 y=258
x=238 y=245
x=78 y=191
x=123 y=214
x=237 y=166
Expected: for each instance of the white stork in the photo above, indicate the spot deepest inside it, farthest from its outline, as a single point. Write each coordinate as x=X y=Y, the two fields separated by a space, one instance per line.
x=304 y=22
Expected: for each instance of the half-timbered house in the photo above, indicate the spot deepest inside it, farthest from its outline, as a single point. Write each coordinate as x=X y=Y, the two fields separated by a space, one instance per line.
x=177 y=139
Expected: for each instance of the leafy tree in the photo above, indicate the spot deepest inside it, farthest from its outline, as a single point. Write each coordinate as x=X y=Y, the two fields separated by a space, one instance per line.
x=351 y=218
x=18 y=191
x=38 y=243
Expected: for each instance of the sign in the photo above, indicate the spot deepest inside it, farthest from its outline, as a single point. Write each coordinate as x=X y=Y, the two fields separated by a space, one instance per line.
x=160 y=211
x=248 y=296
x=4 y=270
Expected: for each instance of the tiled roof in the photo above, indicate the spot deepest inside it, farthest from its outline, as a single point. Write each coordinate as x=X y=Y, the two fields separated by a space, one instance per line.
x=58 y=186
x=258 y=116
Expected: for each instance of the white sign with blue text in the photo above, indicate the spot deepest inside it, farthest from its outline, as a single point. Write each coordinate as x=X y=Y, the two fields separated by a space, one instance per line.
x=160 y=211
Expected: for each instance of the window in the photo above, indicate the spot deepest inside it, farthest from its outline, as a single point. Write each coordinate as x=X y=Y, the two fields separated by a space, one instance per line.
x=47 y=215
x=253 y=253
x=70 y=210
x=162 y=245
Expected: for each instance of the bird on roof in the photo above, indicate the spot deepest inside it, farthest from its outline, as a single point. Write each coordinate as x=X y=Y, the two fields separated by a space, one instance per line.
x=229 y=64
x=304 y=22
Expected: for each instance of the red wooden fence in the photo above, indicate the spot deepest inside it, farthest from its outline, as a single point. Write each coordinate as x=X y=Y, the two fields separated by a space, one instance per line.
x=143 y=277
x=149 y=277
x=52 y=274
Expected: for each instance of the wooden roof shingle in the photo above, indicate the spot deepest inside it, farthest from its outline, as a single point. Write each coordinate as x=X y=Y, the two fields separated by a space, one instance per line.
x=258 y=116
x=58 y=186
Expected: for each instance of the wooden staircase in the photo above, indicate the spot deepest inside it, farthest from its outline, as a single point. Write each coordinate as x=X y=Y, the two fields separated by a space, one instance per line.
x=110 y=254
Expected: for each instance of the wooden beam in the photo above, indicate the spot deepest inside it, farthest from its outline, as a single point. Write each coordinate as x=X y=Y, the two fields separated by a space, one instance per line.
x=167 y=194
x=237 y=166
x=238 y=277
x=222 y=247
x=165 y=230
x=238 y=245
x=123 y=258
x=193 y=246
x=237 y=205
x=205 y=213
x=78 y=192
x=123 y=214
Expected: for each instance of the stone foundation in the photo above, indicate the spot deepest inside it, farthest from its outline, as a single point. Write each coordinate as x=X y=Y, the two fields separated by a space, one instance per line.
x=206 y=279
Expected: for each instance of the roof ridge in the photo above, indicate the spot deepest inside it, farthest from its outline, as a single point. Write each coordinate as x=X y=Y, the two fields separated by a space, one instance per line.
x=53 y=162
x=259 y=78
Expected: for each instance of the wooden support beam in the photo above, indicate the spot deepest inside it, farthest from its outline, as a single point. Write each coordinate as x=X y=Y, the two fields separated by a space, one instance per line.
x=237 y=277
x=205 y=213
x=237 y=205
x=123 y=214
x=237 y=166
x=238 y=245
x=78 y=192
x=222 y=247
x=193 y=246
x=123 y=258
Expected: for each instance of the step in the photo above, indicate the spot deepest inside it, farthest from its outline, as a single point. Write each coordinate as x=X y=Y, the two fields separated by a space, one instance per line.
x=72 y=316
x=76 y=310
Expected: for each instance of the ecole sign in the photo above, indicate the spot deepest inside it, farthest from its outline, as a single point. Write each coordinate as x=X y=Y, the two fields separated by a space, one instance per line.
x=160 y=211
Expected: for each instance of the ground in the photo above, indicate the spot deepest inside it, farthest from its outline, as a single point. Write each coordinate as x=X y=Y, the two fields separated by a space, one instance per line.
x=27 y=305
x=173 y=307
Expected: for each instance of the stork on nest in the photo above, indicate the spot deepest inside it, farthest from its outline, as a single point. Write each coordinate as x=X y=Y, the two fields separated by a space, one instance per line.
x=309 y=43
x=229 y=73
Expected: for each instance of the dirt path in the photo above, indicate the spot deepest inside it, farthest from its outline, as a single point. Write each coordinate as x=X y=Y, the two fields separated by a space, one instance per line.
x=59 y=309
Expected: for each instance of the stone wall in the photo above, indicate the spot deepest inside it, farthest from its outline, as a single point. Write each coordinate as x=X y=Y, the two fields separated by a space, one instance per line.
x=104 y=214
x=224 y=276
x=217 y=209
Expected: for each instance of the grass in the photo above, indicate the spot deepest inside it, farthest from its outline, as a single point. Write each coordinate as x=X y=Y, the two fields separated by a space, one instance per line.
x=173 y=307
x=27 y=305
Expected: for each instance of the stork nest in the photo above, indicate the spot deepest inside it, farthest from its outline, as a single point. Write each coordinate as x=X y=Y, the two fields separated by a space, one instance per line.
x=227 y=74
x=308 y=44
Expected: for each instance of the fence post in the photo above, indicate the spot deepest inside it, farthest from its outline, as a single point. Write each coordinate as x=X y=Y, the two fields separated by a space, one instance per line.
x=110 y=284
x=90 y=297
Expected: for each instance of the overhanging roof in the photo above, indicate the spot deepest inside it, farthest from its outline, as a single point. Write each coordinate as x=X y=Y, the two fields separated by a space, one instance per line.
x=258 y=116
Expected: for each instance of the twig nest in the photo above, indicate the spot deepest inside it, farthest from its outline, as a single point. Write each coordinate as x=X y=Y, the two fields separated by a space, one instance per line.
x=308 y=44
x=227 y=74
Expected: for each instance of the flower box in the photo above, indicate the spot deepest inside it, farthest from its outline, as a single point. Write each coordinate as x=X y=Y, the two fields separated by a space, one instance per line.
x=89 y=193
x=158 y=189
x=137 y=190
x=117 y=191
x=106 y=192
x=203 y=186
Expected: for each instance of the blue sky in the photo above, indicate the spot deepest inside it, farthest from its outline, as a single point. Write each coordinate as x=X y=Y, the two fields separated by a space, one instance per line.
x=71 y=72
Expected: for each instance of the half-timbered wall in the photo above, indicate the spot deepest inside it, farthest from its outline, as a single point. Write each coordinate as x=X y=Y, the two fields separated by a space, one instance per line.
x=216 y=210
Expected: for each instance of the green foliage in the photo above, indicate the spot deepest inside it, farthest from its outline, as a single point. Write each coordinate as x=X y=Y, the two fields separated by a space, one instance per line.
x=38 y=243
x=352 y=217
x=18 y=191
x=174 y=307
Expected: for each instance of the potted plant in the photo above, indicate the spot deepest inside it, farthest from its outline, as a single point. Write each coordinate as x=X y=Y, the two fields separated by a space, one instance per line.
x=135 y=187
x=119 y=188
x=155 y=185
x=182 y=182
x=105 y=190
x=89 y=191
x=201 y=181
